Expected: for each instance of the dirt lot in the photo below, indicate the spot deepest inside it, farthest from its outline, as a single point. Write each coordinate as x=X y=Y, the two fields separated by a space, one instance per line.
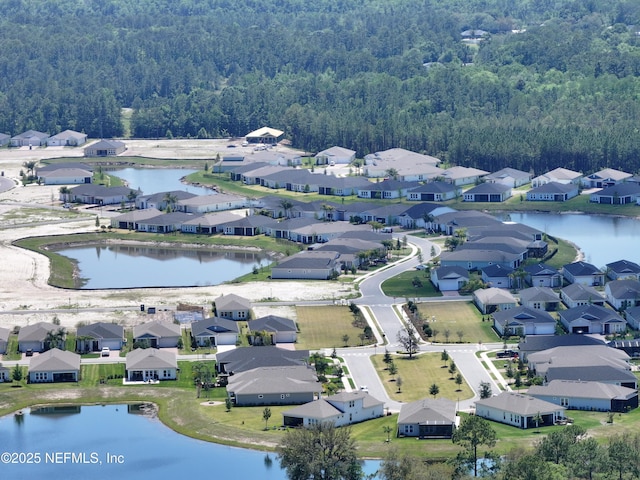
x=23 y=274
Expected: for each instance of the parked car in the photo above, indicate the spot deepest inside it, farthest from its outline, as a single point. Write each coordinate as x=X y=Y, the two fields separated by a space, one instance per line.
x=29 y=352
x=105 y=352
x=507 y=354
x=421 y=267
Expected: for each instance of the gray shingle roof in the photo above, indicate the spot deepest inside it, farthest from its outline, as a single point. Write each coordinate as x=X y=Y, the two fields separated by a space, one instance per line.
x=101 y=330
x=36 y=332
x=214 y=325
x=248 y=358
x=519 y=404
x=150 y=358
x=428 y=412
x=156 y=329
x=55 y=360
x=272 y=323
x=269 y=380
x=582 y=389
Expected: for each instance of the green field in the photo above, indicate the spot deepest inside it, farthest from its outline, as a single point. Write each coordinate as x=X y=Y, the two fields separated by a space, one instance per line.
x=456 y=317
x=402 y=285
x=324 y=327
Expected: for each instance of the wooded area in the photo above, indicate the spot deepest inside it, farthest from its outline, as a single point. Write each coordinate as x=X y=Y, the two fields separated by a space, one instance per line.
x=364 y=74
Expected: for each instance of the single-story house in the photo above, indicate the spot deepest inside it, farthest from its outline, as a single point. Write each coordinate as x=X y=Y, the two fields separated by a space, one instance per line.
x=542 y=275
x=519 y=410
x=553 y=192
x=105 y=148
x=540 y=298
x=558 y=175
x=387 y=189
x=30 y=138
x=165 y=222
x=98 y=194
x=620 y=194
x=584 y=273
x=592 y=373
x=538 y=343
x=523 y=321
x=215 y=331
x=489 y=300
x=591 y=396
x=4 y=139
x=248 y=358
x=248 y=226
x=463 y=175
x=54 y=366
x=233 y=307
x=577 y=294
x=65 y=176
x=130 y=220
x=335 y=156
x=94 y=337
x=269 y=136
x=308 y=265
x=632 y=316
x=509 y=176
x=157 y=334
x=211 y=203
x=449 y=278
x=623 y=269
x=592 y=319
x=280 y=329
x=161 y=200
x=422 y=215
x=622 y=294
x=427 y=418
x=578 y=356
x=68 y=138
x=344 y=408
x=5 y=374
x=497 y=276
x=34 y=337
x=4 y=340
x=411 y=166
x=449 y=222
x=433 y=192
x=477 y=259
x=291 y=385
x=488 y=192
x=209 y=223
x=605 y=178
x=147 y=364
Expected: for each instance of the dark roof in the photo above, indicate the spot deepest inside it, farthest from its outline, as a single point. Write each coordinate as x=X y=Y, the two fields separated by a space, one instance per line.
x=484 y=188
x=65 y=165
x=418 y=210
x=213 y=325
x=538 y=343
x=540 y=269
x=160 y=196
x=389 y=185
x=624 y=289
x=497 y=270
x=591 y=373
x=593 y=313
x=520 y=315
x=578 y=291
x=554 y=187
x=248 y=358
x=621 y=189
x=578 y=269
x=272 y=323
x=172 y=218
x=624 y=267
x=435 y=187
x=451 y=271
x=100 y=190
x=101 y=330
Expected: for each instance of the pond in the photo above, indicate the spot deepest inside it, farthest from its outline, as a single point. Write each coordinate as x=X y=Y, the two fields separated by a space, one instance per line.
x=141 y=266
x=155 y=180
x=117 y=441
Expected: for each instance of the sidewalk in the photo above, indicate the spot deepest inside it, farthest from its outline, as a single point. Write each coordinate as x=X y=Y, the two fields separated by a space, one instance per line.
x=495 y=372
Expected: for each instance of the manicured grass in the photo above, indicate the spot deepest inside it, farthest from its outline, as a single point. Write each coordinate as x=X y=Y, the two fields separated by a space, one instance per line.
x=418 y=374
x=324 y=327
x=401 y=285
x=457 y=316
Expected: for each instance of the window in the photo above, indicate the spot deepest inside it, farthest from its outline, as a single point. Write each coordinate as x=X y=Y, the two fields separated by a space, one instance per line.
x=564 y=402
x=282 y=396
x=260 y=396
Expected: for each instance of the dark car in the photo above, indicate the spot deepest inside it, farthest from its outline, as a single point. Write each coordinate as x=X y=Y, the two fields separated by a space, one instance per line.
x=507 y=354
x=29 y=352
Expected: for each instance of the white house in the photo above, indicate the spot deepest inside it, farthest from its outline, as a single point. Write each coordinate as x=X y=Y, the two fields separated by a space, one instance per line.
x=335 y=156
x=68 y=138
x=341 y=409
x=54 y=366
x=519 y=410
x=150 y=364
x=523 y=321
x=449 y=278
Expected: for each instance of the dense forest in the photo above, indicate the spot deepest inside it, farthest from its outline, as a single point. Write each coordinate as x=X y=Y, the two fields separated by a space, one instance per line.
x=551 y=83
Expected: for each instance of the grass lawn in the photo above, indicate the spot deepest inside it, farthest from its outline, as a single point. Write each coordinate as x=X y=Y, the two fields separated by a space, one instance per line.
x=324 y=327
x=457 y=317
x=418 y=374
x=401 y=285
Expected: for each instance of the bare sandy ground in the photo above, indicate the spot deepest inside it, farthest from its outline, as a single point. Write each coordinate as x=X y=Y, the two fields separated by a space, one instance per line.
x=24 y=274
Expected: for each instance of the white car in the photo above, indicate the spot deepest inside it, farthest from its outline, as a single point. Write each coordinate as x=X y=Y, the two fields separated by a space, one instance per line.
x=421 y=267
x=105 y=352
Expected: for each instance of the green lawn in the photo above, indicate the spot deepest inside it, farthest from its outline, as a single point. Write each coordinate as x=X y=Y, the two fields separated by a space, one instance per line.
x=418 y=374
x=402 y=286
x=457 y=317
x=324 y=327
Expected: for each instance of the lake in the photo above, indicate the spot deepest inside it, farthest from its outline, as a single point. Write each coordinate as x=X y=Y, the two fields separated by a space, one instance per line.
x=155 y=180
x=78 y=443
x=140 y=266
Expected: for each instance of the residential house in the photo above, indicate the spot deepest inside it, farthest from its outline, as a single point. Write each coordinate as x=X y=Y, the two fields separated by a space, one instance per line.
x=630 y=347
x=65 y=176
x=605 y=178
x=237 y=171
x=165 y=222
x=30 y=138
x=488 y=192
x=490 y=300
x=278 y=329
x=209 y=223
x=34 y=337
x=211 y=203
x=409 y=166
x=558 y=175
x=632 y=315
x=355 y=252
x=214 y=331
x=509 y=176
x=339 y=186
x=162 y=200
x=449 y=279
x=622 y=294
x=4 y=340
x=265 y=135
x=387 y=189
x=105 y=148
x=540 y=298
x=5 y=374
x=538 y=343
x=578 y=356
x=308 y=265
x=131 y=220
x=273 y=157
x=97 y=195
x=233 y=307
x=497 y=276
x=592 y=372
x=553 y=192
x=583 y=273
x=620 y=194
x=68 y=138
x=577 y=294
x=422 y=215
x=623 y=269
x=335 y=156
x=248 y=358
x=150 y=364
x=342 y=409
x=591 y=396
x=4 y=139
x=54 y=366
x=427 y=418
x=477 y=259
x=258 y=175
x=523 y=321
x=518 y=410
x=449 y=222
x=459 y=176
x=157 y=334
x=592 y=319
x=288 y=385
x=386 y=214
x=248 y=226
x=542 y=275
x=433 y=192
x=96 y=336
